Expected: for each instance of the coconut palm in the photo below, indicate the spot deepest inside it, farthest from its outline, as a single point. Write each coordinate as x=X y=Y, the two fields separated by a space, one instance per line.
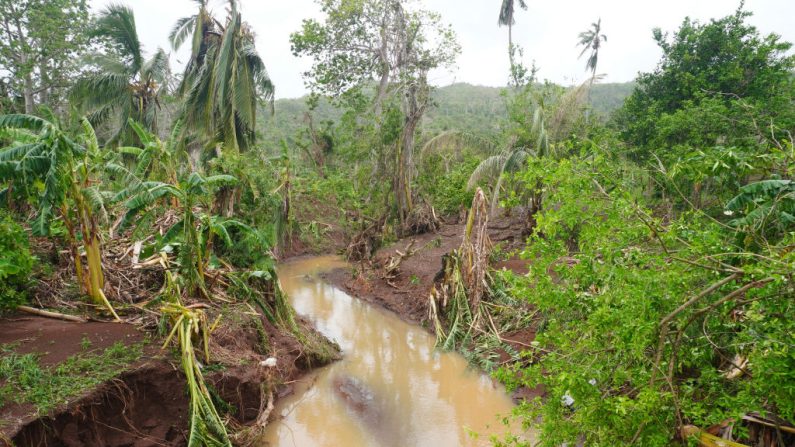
x=506 y=19
x=224 y=79
x=592 y=39
x=124 y=85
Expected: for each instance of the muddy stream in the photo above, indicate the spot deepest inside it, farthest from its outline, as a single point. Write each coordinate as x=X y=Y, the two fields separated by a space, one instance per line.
x=390 y=389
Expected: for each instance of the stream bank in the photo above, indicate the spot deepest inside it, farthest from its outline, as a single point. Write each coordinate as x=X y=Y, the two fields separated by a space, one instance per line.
x=146 y=404
x=143 y=402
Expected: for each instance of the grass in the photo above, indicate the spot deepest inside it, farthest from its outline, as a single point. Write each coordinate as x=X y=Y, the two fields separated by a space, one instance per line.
x=24 y=380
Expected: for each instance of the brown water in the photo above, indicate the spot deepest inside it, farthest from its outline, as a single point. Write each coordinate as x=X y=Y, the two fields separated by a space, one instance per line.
x=390 y=389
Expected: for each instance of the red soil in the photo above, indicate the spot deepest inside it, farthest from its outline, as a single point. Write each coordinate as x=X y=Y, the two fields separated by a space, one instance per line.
x=146 y=405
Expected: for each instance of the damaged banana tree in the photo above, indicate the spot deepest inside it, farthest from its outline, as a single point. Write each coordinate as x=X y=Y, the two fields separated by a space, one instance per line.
x=189 y=322
x=66 y=167
x=458 y=297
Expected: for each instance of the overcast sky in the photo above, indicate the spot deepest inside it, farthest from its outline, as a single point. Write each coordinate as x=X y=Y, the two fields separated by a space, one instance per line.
x=547 y=31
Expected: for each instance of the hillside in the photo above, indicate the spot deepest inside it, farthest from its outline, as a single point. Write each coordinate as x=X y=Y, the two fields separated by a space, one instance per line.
x=461 y=106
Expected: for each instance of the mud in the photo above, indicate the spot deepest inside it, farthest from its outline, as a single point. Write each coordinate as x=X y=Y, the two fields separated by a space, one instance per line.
x=407 y=294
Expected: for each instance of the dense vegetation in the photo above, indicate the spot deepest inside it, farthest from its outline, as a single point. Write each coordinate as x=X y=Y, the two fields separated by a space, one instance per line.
x=659 y=230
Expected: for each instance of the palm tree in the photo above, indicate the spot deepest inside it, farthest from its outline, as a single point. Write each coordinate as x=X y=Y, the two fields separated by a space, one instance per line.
x=506 y=19
x=493 y=168
x=224 y=79
x=592 y=40
x=125 y=85
x=536 y=136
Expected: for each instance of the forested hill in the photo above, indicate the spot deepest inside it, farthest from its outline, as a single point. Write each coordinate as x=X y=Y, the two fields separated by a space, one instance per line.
x=462 y=106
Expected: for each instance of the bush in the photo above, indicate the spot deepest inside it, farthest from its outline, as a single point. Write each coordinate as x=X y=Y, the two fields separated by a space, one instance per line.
x=447 y=189
x=16 y=263
x=620 y=364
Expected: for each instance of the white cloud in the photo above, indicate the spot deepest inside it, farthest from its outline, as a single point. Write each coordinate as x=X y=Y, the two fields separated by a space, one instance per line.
x=547 y=31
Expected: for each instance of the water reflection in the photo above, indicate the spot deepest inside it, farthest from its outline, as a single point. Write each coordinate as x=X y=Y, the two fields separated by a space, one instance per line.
x=391 y=388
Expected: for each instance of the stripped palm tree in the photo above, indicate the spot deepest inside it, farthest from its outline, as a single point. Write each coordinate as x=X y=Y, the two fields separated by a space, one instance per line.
x=224 y=79
x=592 y=39
x=123 y=86
x=507 y=9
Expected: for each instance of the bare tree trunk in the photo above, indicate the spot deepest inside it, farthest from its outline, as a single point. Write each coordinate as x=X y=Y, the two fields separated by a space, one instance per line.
x=27 y=93
x=383 y=84
x=415 y=102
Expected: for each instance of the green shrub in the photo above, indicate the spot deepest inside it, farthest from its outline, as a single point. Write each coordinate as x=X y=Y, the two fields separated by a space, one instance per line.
x=16 y=263
x=447 y=189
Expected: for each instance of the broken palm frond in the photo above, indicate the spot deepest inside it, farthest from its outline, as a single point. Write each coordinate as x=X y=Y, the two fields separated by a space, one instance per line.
x=464 y=281
x=206 y=426
x=770 y=431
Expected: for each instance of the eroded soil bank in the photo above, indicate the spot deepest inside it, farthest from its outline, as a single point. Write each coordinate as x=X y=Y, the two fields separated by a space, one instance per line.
x=147 y=403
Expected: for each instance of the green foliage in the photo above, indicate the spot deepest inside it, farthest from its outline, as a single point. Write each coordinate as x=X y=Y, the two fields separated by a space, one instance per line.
x=447 y=188
x=194 y=231
x=122 y=85
x=16 y=263
x=25 y=381
x=40 y=51
x=628 y=349
x=766 y=208
x=462 y=107
x=712 y=77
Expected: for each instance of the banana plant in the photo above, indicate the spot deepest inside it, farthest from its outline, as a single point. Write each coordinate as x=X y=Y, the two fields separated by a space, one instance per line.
x=764 y=209
x=67 y=169
x=193 y=194
x=156 y=159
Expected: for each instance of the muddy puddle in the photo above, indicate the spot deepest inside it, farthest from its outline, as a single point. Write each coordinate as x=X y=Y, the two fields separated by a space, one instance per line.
x=391 y=388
